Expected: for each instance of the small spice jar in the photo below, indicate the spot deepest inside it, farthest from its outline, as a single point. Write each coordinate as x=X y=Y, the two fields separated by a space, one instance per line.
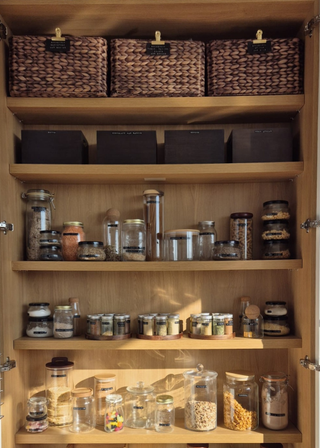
x=274 y=400
x=276 y=229
x=241 y=230
x=173 y=324
x=148 y=324
x=275 y=210
x=275 y=250
x=91 y=251
x=50 y=253
x=274 y=308
x=226 y=250
x=206 y=325
x=207 y=238
x=127 y=324
x=114 y=417
x=228 y=324
x=40 y=327
x=50 y=237
x=63 y=322
x=161 y=325
x=119 y=325
x=276 y=326
x=218 y=324
x=165 y=414
x=83 y=412
x=104 y=385
x=195 y=328
x=133 y=240
x=39 y=309
x=107 y=325
x=95 y=325
x=37 y=406
x=36 y=424
x=252 y=323
x=181 y=245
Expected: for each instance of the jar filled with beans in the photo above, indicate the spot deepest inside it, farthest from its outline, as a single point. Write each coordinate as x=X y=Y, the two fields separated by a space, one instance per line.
x=241 y=230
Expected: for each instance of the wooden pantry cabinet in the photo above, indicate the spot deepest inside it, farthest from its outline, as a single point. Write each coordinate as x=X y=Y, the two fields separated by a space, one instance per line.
x=192 y=193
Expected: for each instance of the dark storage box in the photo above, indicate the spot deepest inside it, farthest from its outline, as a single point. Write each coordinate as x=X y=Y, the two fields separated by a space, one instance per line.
x=205 y=146
x=260 y=145
x=126 y=147
x=59 y=147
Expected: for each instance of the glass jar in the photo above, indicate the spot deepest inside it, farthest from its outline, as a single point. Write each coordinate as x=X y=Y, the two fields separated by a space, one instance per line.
x=275 y=210
x=276 y=326
x=70 y=241
x=148 y=325
x=36 y=424
x=252 y=323
x=241 y=401
x=40 y=327
x=241 y=230
x=207 y=238
x=275 y=308
x=63 y=322
x=139 y=406
x=38 y=217
x=200 y=388
x=206 y=325
x=228 y=324
x=226 y=250
x=91 y=251
x=218 y=324
x=39 y=309
x=173 y=324
x=50 y=253
x=50 y=237
x=83 y=413
x=274 y=400
x=59 y=383
x=161 y=325
x=127 y=324
x=112 y=235
x=195 y=327
x=104 y=385
x=275 y=249
x=74 y=227
x=37 y=406
x=244 y=303
x=119 y=325
x=114 y=416
x=107 y=325
x=74 y=303
x=95 y=325
x=165 y=414
x=133 y=240
x=153 y=215
x=182 y=244
x=276 y=229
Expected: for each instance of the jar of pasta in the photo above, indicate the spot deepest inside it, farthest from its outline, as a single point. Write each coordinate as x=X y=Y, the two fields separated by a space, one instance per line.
x=241 y=230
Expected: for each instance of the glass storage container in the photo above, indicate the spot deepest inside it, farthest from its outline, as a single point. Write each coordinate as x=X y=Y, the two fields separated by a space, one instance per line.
x=139 y=406
x=228 y=324
x=244 y=303
x=39 y=309
x=181 y=245
x=38 y=217
x=275 y=308
x=206 y=325
x=274 y=400
x=148 y=325
x=59 y=384
x=95 y=325
x=153 y=215
x=104 y=385
x=241 y=225
x=165 y=414
x=63 y=322
x=173 y=324
x=218 y=324
x=50 y=253
x=83 y=410
x=275 y=210
x=207 y=238
x=37 y=406
x=74 y=227
x=226 y=250
x=74 y=303
x=276 y=326
x=72 y=234
x=107 y=325
x=195 y=326
x=275 y=249
x=252 y=323
x=133 y=240
x=241 y=401
x=119 y=325
x=200 y=388
x=276 y=229
x=36 y=424
x=112 y=235
x=114 y=416
x=161 y=325
x=40 y=327
x=50 y=237
x=91 y=251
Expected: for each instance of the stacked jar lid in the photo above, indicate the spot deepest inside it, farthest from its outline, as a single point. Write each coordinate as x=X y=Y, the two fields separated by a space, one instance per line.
x=40 y=323
x=36 y=420
x=162 y=324
x=275 y=232
x=211 y=324
x=276 y=319
x=110 y=324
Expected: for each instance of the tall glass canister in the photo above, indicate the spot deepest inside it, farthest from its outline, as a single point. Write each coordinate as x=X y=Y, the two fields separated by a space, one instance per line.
x=83 y=410
x=104 y=385
x=207 y=238
x=153 y=215
x=112 y=235
x=274 y=400
x=139 y=406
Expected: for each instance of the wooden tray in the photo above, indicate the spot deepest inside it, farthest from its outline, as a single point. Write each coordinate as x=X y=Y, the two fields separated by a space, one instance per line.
x=160 y=338
x=107 y=338
x=200 y=336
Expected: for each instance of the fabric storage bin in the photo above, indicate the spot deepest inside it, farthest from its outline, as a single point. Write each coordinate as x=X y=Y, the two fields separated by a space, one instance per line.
x=74 y=68
x=141 y=68
x=255 y=67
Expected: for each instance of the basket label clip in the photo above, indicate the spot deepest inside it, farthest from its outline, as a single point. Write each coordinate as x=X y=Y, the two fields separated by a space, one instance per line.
x=259 y=45
x=58 y=44
x=158 y=47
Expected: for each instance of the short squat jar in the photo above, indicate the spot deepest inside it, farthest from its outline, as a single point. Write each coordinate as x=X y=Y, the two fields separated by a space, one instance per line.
x=63 y=322
x=165 y=414
x=182 y=245
x=207 y=238
x=91 y=251
x=40 y=327
x=50 y=237
x=39 y=309
x=49 y=252
x=83 y=410
x=278 y=209
x=275 y=229
x=275 y=250
x=227 y=250
x=274 y=400
x=241 y=230
x=241 y=401
x=133 y=240
x=37 y=406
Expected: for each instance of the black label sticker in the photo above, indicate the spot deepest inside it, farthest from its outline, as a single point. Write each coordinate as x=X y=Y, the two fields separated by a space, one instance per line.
x=157 y=50
x=63 y=329
x=79 y=409
x=58 y=376
x=104 y=389
x=275 y=415
x=112 y=225
x=206 y=233
x=201 y=386
x=40 y=332
x=137 y=407
x=57 y=46
x=259 y=48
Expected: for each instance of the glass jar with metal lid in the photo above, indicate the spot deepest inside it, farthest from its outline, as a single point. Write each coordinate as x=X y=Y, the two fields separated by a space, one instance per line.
x=91 y=251
x=275 y=229
x=206 y=324
x=139 y=406
x=63 y=322
x=104 y=385
x=218 y=324
x=241 y=229
x=275 y=308
x=207 y=238
x=274 y=400
x=173 y=324
x=148 y=324
x=200 y=389
x=38 y=217
x=75 y=227
x=114 y=417
x=278 y=209
x=161 y=325
x=133 y=240
x=119 y=324
x=165 y=414
x=195 y=326
x=228 y=250
x=107 y=325
x=83 y=410
x=181 y=244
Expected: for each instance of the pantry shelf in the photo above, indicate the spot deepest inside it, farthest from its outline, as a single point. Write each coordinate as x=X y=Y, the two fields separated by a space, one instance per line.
x=129 y=174
x=126 y=111
x=185 y=343
x=179 y=435
x=160 y=266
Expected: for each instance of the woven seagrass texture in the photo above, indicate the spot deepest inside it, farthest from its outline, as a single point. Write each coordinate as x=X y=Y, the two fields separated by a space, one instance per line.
x=232 y=70
x=79 y=73
x=136 y=74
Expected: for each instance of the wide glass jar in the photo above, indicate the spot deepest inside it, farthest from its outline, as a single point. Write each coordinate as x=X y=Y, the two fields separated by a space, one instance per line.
x=241 y=401
x=275 y=308
x=59 y=384
x=200 y=390
x=40 y=327
x=133 y=240
x=165 y=414
x=37 y=406
x=91 y=251
x=276 y=229
x=63 y=322
x=275 y=250
x=104 y=385
x=276 y=326
x=207 y=238
x=36 y=424
x=39 y=309
x=83 y=410
x=50 y=237
x=114 y=416
x=112 y=235
x=139 y=406
x=38 y=217
x=274 y=400
x=50 y=253
x=275 y=210
x=181 y=245
x=153 y=215
x=228 y=250
x=241 y=229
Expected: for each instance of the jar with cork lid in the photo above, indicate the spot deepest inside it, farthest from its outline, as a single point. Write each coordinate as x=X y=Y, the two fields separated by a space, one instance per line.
x=112 y=235
x=252 y=323
x=104 y=385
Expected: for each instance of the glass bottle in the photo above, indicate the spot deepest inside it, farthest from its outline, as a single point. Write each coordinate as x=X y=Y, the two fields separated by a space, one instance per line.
x=252 y=323
x=153 y=215
x=244 y=302
x=83 y=412
x=112 y=235
x=114 y=416
x=207 y=238
x=63 y=322
x=241 y=230
x=274 y=400
x=133 y=240
x=241 y=401
x=74 y=303
x=165 y=414
x=139 y=406
x=104 y=385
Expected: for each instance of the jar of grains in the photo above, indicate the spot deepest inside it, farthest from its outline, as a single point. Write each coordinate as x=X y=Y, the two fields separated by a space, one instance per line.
x=274 y=400
x=173 y=324
x=207 y=238
x=275 y=250
x=38 y=217
x=104 y=385
x=72 y=234
x=241 y=401
x=165 y=414
x=91 y=251
x=50 y=237
x=276 y=229
x=241 y=230
x=276 y=326
x=227 y=250
x=50 y=253
x=133 y=240
x=275 y=210
x=63 y=322
x=161 y=325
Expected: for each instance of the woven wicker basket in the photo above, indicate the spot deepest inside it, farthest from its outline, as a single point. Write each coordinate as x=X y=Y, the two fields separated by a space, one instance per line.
x=233 y=71
x=137 y=74
x=79 y=73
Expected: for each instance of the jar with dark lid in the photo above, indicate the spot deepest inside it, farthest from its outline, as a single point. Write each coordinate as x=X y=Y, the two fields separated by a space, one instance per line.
x=198 y=445
x=50 y=237
x=241 y=225
x=276 y=326
x=36 y=424
x=276 y=250
x=40 y=327
x=278 y=209
x=207 y=238
x=226 y=250
x=276 y=229
x=39 y=309
x=50 y=253
x=133 y=240
x=274 y=308
x=91 y=251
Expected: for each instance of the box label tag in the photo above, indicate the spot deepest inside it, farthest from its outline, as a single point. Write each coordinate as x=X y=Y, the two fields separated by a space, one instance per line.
x=259 y=48
x=58 y=46
x=158 y=50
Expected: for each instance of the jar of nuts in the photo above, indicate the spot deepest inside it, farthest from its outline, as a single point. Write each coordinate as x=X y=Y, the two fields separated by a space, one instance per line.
x=275 y=249
x=241 y=230
x=275 y=210
x=276 y=229
x=226 y=250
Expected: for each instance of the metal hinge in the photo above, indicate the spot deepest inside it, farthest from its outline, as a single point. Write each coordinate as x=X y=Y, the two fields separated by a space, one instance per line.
x=310 y=26
x=8 y=365
x=309 y=224
x=3 y=31
x=309 y=365
x=6 y=227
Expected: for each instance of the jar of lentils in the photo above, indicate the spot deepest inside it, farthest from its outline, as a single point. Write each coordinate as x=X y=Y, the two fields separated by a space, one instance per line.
x=72 y=234
x=241 y=230
x=133 y=240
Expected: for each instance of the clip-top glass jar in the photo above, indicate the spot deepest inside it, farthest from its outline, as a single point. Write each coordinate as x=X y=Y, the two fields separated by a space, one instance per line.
x=274 y=400
x=241 y=401
x=139 y=406
x=133 y=240
x=207 y=238
x=165 y=414
x=114 y=413
x=241 y=230
x=37 y=406
x=200 y=388
x=38 y=217
x=153 y=215
x=83 y=413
